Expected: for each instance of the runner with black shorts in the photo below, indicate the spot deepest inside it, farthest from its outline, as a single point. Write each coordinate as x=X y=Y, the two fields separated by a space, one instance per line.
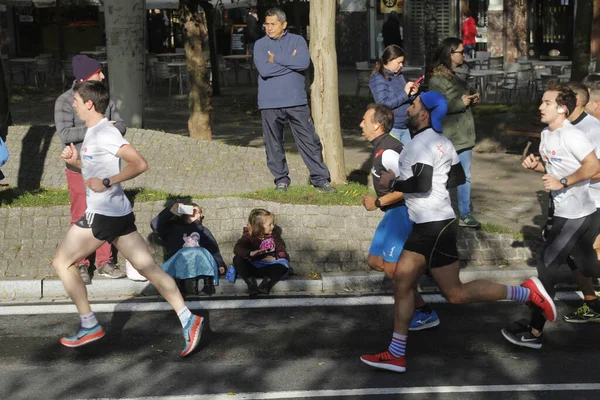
x=109 y=218
x=569 y=162
x=429 y=165
x=395 y=226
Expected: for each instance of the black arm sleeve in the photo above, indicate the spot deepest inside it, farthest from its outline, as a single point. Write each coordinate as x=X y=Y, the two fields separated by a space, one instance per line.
x=456 y=176
x=420 y=182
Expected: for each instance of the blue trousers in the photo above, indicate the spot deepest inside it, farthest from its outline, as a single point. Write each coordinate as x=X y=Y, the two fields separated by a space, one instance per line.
x=305 y=136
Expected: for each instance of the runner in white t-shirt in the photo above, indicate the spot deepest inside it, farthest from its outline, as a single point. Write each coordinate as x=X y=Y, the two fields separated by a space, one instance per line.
x=429 y=165
x=569 y=160
x=109 y=218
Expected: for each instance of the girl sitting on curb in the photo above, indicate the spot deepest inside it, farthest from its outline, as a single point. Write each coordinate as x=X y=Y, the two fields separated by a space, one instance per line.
x=260 y=253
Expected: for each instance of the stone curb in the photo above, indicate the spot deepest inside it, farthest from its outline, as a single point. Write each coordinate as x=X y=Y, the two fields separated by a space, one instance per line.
x=330 y=284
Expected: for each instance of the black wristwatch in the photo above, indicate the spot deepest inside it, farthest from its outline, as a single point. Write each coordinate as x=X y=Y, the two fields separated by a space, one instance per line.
x=377 y=203
x=563 y=182
x=106 y=182
x=391 y=185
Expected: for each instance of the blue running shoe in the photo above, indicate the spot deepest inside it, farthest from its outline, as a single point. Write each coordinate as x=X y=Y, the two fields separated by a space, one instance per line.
x=422 y=320
x=83 y=336
x=191 y=334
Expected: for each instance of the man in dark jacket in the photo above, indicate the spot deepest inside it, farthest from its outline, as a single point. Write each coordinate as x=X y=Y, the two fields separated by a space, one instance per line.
x=391 y=30
x=253 y=30
x=71 y=129
x=281 y=59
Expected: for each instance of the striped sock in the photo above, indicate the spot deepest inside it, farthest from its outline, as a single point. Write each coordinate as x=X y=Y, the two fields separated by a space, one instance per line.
x=398 y=346
x=517 y=293
x=184 y=314
x=88 y=320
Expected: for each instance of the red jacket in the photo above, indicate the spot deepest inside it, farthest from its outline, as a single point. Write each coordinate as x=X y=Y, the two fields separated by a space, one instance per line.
x=469 y=31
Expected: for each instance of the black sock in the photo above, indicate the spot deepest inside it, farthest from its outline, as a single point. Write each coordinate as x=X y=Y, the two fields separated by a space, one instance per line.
x=425 y=308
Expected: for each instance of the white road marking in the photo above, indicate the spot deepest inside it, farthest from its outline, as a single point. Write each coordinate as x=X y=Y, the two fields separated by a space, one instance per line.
x=132 y=305
x=382 y=392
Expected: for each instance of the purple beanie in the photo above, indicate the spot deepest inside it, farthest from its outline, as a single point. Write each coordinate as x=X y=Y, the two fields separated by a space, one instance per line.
x=84 y=67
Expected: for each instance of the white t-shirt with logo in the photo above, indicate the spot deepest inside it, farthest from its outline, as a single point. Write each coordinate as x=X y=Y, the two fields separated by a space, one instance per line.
x=591 y=127
x=436 y=150
x=563 y=151
x=99 y=160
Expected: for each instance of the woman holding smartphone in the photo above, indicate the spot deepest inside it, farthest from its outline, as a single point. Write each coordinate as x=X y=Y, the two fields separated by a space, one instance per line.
x=458 y=125
x=391 y=89
x=176 y=225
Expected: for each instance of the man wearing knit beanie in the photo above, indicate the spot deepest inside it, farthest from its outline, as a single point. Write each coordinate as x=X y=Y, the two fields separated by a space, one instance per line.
x=72 y=130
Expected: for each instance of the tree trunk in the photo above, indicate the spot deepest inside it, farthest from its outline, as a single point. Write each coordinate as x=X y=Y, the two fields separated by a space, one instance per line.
x=196 y=41
x=324 y=90
x=125 y=49
x=582 y=39
x=5 y=117
x=430 y=36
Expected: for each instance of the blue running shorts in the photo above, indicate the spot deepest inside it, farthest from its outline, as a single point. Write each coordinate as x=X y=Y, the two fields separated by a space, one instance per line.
x=391 y=234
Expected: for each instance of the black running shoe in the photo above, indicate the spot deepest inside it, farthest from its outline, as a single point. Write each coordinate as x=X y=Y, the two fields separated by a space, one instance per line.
x=519 y=333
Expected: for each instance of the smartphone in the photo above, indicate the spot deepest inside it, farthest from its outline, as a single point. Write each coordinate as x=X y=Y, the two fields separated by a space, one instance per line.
x=420 y=80
x=187 y=210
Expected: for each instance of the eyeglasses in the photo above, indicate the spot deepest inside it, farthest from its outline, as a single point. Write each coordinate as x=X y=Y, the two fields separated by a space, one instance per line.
x=458 y=52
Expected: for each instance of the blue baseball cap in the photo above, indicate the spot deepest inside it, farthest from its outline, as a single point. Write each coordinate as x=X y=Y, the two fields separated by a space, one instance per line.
x=437 y=106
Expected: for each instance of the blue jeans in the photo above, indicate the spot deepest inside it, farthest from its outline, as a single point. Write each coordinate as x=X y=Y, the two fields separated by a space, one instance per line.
x=402 y=135
x=464 y=191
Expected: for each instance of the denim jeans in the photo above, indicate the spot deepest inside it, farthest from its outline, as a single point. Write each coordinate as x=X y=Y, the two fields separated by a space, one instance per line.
x=464 y=191
x=402 y=135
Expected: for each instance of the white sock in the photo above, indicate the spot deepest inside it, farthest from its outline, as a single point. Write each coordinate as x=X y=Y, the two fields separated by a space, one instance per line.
x=184 y=314
x=88 y=320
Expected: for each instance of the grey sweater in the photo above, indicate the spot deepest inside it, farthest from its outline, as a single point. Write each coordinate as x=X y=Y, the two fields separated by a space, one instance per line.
x=71 y=129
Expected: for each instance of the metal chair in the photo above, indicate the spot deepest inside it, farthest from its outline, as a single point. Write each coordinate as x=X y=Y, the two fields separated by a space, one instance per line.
x=43 y=70
x=517 y=79
x=496 y=62
x=67 y=73
x=482 y=59
x=162 y=73
x=363 y=76
x=224 y=69
x=539 y=86
x=592 y=66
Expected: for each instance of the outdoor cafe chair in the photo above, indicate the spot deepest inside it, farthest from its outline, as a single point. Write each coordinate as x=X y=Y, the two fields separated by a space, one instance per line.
x=162 y=73
x=12 y=69
x=516 y=80
x=43 y=69
x=496 y=62
x=67 y=73
x=363 y=76
x=482 y=59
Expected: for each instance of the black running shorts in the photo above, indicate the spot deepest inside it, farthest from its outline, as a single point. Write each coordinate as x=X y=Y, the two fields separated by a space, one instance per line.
x=108 y=228
x=436 y=241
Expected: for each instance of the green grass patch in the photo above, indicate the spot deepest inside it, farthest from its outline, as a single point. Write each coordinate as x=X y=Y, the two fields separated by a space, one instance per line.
x=350 y=194
x=490 y=227
x=347 y=195
x=13 y=197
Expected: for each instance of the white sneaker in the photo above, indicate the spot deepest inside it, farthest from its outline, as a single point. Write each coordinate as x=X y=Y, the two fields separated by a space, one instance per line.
x=133 y=274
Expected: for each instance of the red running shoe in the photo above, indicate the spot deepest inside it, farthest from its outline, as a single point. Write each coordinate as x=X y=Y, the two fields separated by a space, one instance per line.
x=540 y=298
x=192 y=333
x=385 y=360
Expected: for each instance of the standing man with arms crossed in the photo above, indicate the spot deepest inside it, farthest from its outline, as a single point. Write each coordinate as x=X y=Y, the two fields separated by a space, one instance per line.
x=395 y=227
x=281 y=59
x=109 y=217
x=72 y=130
x=569 y=161
x=429 y=165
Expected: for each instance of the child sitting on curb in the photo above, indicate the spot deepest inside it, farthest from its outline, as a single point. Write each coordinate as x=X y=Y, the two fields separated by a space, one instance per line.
x=260 y=253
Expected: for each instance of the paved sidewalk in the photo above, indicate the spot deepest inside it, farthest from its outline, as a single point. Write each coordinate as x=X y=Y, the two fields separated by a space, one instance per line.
x=15 y=291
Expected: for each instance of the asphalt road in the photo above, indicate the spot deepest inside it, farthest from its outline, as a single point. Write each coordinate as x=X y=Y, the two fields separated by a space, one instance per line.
x=296 y=353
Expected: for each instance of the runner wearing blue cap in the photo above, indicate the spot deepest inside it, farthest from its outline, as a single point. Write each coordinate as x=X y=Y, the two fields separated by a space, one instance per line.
x=428 y=166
